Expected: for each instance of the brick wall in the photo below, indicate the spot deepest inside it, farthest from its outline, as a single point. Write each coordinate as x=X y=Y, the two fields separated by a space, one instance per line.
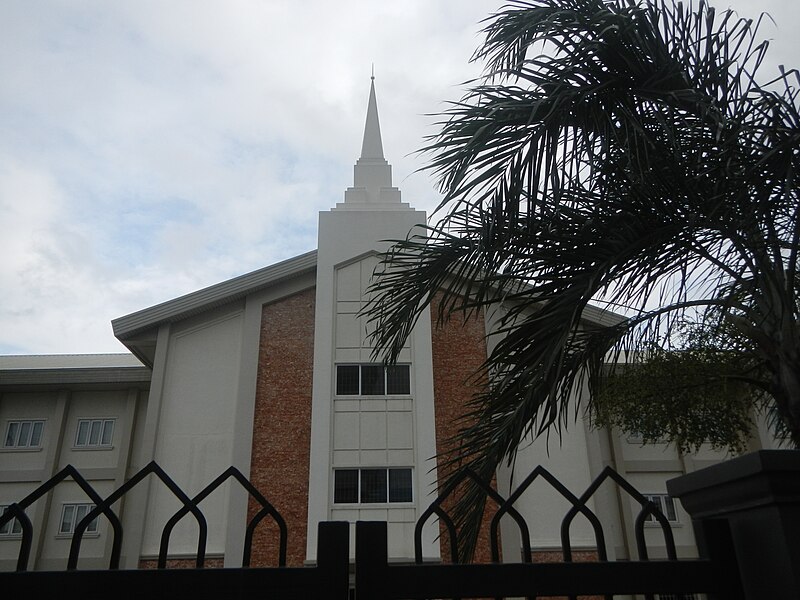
x=282 y=425
x=459 y=349
x=183 y=563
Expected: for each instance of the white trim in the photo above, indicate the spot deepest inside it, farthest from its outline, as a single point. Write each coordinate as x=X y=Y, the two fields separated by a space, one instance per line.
x=87 y=445
x=89 y=532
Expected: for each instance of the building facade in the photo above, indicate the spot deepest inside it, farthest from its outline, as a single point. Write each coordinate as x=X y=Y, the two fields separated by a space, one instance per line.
x=272 y=372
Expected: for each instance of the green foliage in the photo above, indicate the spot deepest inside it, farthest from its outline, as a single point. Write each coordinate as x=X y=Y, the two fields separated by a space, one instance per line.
x=705 y=388
x=686 y=397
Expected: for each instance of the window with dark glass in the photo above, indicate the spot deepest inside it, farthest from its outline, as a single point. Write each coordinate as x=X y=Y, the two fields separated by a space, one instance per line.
x=345 y=486
x=373 y=380
x=372 y=485
x=400 y=485
x=347 y=380
x=72 y=514
x=398 y=380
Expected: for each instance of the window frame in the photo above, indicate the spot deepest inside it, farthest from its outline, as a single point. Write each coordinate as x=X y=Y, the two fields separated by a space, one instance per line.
x=93 y=530
x=385 y=376
x=635 y=438
x=360 y=492
x=660 y=500
x=28 y=447
x=87 y=443
x=14 y=526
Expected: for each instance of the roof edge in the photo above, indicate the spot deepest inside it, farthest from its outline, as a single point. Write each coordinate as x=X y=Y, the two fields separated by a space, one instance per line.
x=212 y=296
x=122 y=376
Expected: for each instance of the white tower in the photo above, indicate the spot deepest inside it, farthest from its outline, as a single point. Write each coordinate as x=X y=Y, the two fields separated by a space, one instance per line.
x=372 y=429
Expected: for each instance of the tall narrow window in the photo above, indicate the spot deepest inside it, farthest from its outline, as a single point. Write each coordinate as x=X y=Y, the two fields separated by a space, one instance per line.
x=400 y=485
x=345 y=486
x=347 y=380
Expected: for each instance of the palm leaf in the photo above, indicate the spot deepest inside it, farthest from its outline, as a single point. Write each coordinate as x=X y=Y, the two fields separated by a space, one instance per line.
x=615 y=153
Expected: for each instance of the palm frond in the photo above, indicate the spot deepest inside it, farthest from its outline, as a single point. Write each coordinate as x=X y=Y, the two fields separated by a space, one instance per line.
x=618 y=153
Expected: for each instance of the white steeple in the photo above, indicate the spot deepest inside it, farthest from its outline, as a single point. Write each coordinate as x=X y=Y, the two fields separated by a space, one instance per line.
x=372 y=175
x=372 y=147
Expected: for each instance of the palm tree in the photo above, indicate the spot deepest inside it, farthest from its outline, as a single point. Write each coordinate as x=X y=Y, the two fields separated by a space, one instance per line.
x=619 y=153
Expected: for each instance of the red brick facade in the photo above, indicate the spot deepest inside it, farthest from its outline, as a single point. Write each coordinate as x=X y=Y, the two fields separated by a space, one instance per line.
x=282 y=424
x=459 y=349
x=182 y=563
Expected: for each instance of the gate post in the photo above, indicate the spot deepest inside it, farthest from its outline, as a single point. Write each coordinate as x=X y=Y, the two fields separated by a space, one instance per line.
x=333 y=557
x=758 y=496
x=371 y=559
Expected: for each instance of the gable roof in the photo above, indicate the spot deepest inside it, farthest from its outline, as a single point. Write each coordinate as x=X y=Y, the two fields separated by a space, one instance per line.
x=213 y=296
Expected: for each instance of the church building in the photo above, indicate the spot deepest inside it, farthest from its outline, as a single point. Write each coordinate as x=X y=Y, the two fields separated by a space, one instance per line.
x=272 y=372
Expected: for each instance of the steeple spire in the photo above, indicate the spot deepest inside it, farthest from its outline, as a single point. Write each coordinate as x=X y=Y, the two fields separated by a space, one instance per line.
x=372 y=186
x=372 y=147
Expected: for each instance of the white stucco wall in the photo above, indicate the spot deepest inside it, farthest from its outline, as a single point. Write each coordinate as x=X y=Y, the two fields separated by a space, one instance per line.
x=366 y=431
x=195 y=430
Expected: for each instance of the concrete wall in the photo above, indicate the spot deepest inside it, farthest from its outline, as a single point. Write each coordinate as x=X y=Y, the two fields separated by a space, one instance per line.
x=366 y=431
x=195 y=427
x=105 y=468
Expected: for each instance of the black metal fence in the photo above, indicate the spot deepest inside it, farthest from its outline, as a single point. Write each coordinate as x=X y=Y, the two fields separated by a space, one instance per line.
x=716 y=574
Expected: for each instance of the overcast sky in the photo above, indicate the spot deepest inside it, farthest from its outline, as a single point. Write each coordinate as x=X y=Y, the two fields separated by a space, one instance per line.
x=151 y=148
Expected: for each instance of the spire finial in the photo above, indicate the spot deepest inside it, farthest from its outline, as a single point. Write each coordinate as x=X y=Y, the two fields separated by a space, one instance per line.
x=372 y=77
x=372 y=148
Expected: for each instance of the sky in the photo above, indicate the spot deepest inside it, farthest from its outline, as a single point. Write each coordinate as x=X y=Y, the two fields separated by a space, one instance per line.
x=152 y=148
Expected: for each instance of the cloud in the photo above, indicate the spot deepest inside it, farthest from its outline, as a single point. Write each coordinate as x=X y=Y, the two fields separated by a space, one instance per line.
x=151 y=148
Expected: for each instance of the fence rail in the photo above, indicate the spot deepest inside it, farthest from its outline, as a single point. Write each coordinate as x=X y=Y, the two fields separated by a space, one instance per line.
x=378 y=579
x=328 y=579
x=375 y=578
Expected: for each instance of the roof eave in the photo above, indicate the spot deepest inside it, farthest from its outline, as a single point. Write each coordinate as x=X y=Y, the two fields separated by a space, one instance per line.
x=215 y=295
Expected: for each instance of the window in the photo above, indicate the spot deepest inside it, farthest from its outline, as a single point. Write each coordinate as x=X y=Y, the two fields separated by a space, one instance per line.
x=677 y=597
x=665 y=504
x=71 y=515
x=636 y=437
x=373 y=380
x=372 y=486
x=94 y=433
x=12 y=528
x=23 y=434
